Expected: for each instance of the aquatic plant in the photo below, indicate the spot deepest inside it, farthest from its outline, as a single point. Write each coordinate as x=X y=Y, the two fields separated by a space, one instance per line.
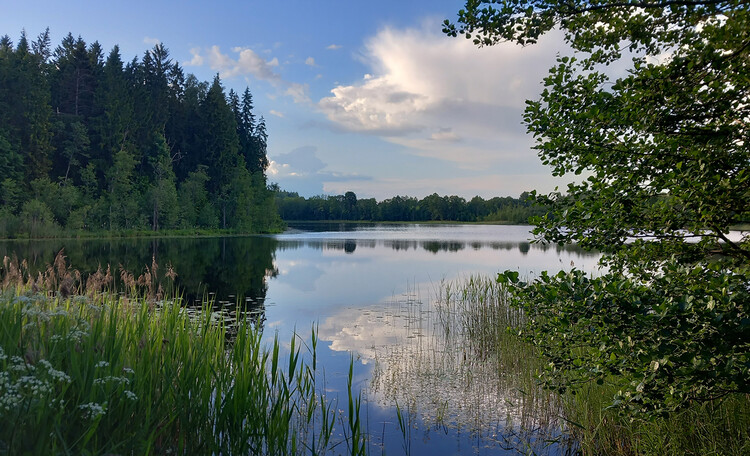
x=122 y=374
x=462 y=366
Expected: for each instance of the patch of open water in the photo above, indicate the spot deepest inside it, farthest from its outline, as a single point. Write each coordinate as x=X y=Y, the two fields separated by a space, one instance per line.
x=372 y=292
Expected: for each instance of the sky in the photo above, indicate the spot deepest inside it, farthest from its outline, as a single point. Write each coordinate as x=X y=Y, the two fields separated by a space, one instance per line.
x=361 y=96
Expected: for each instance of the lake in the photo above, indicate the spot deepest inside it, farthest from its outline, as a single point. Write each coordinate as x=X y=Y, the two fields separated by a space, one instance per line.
x=372 y=291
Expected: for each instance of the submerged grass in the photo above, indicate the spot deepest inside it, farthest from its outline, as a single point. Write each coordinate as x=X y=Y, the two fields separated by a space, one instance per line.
x=479 y=308
x=458 y=368
x=477 y=311
x=114 y=374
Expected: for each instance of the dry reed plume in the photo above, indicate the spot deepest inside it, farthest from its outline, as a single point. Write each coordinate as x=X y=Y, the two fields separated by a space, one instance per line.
x=60 y=278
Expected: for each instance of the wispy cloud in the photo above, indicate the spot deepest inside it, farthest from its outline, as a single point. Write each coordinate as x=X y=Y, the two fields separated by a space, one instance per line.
x=302 y=171
x=151 y=41
x=334 y=47
x=310 y=61
x=276 y=113
x=248 y=63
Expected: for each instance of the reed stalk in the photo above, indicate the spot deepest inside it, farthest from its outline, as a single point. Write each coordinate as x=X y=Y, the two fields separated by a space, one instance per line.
x=95 y=372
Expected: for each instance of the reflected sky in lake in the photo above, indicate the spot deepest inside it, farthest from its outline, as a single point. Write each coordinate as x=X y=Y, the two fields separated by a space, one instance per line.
x=320 y=272
x=371 y=290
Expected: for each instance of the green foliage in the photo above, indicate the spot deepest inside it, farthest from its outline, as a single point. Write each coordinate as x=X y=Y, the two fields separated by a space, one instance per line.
x=406 y=209
x=36 y=219
x=195 y=208
x=678 y=338
x=8 y=223
x=11 y=162
x=112 y=143
x=100 y=375
x=11 y=194
x=662 y=154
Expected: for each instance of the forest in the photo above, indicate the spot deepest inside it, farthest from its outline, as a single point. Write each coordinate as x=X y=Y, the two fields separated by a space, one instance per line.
x=94 y=143
x=453 y=208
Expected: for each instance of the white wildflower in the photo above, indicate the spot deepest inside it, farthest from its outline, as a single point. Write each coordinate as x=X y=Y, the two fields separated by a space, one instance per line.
x=33 y=386
x=57 y=375
x=111 y=379
x=77 y=335
x=17 y=364
x=131 y=395
x=10 y=399
x=92 y=410
x=102 y=364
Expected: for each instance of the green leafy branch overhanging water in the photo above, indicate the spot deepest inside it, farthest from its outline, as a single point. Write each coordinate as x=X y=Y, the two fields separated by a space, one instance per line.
x=662 y=157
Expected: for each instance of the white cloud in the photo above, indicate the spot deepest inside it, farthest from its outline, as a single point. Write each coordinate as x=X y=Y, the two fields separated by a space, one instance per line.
x=196 y=60
x=310 y=61
x=298 y=92
x=273 y=112
x=443 y=97
x=444 y=134
x=248 y=63
x=334 y=47
x=151 y=41
x=277 y=169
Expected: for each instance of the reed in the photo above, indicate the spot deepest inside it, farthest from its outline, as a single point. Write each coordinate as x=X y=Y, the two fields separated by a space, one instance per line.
x=479 y=311
x=462 y=367
x=105 y=373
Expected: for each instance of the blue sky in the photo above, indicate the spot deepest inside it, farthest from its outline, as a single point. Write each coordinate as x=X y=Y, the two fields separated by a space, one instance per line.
x=363 y=96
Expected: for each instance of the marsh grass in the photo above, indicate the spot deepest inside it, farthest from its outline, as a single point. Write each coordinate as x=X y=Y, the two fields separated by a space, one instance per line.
x=475 y=314
x=461 y=369
x=720 y=427
x=478 y=309
x=93 y=372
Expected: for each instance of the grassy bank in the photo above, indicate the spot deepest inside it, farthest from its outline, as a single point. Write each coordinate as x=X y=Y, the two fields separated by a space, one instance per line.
x=100 y=373
x=719 y=427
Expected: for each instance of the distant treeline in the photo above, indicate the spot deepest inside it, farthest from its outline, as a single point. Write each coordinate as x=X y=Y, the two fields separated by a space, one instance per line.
x=92 y=143
x=291 y=206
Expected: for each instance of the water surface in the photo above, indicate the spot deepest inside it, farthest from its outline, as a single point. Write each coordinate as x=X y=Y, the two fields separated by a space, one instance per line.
x=371 y=291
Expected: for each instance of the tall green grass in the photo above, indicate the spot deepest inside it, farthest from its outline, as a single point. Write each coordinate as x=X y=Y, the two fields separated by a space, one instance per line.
x=476 y=314
x=110 y=374
x=719 y=427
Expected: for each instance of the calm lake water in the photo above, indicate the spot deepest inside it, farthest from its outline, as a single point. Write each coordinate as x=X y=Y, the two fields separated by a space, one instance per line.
x=371 y=291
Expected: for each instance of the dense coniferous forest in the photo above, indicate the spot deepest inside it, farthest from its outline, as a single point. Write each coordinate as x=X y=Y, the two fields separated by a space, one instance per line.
x=90 y=142
x=291 y=206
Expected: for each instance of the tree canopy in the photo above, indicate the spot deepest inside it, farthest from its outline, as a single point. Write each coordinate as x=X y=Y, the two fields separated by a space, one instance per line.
x=662 y=157
x=452 y=208
x=92 y=143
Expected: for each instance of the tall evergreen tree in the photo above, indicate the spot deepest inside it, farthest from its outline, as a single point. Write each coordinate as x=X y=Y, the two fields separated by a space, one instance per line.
x=113 y=120
x=220 y=141
x=29 y=107
x=74 y=80
x=102 y=144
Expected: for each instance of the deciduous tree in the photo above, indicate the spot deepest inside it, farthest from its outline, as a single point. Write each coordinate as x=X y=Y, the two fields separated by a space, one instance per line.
x=662 y=156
